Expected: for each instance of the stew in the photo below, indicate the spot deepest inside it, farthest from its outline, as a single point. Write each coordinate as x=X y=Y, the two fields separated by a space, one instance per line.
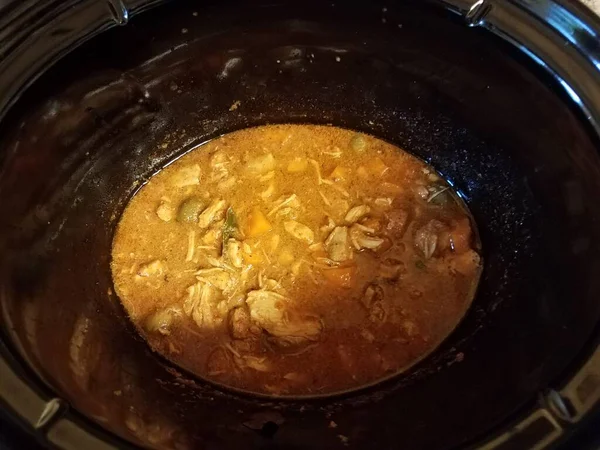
x=296 y=260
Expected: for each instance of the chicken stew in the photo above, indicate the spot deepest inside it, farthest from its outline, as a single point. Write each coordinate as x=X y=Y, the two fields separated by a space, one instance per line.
x=295 y=260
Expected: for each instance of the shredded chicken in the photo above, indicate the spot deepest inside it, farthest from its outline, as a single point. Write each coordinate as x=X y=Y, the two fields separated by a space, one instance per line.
x=227 y=184
x=233 y=251
x=299 y=231
x=271 y=312
x=165 y=211
x=200 y=305
x=151 y=269
x=187 y=176
x=339 y=188
x=217 y=277
x=357 y=213
x=318 y=171
x=213 y=236
x=252 y=362
x=240 y=324
x=287 y=213
x=325 y=199
x=219 y=163
x=330 y=225
x=383 y=202
x=261 y=164
x=338 y=246
x=191 y=246
x=361 y=240
x=215 y=211
x=162 y=320
x=267 y=193
x=290 y=201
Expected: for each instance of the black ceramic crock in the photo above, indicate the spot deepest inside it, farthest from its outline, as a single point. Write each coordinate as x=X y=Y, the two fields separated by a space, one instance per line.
x=502 y=97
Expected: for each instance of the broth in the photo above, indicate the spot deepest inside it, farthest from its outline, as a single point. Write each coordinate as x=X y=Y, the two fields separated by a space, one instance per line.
x=295 y=260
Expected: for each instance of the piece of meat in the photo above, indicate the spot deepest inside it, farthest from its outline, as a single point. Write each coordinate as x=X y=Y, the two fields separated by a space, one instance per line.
x=187 y=176
x=216 y=277
x=397 y=220
x=357 y=213
x=215 y=211
x=165 y=211
x=240 y=324
x=151 y=269
x=233 y=250
x=427 y=237
x=299 y=231
x=261 y=164
x=338 y=245
x=200 y=304
x=362 y=240
x=290 y=201
x=252 y=362
x=271 y=312
x=162 y=320
x=373 y=301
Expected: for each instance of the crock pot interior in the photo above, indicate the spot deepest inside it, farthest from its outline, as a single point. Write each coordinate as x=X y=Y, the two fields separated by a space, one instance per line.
x=112 y=113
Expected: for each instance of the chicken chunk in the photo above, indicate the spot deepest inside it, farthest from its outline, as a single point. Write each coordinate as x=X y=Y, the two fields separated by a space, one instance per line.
x=165 y=211
x=290 y=201
x=215 y=211
x=261 y=164
x=200 y=305
x=240 y=324
x=299 y=231
x=151 y=269
x=397 y=220
x=271 y=312
x=233 y=250
x=252 y=362
x=216 y=277
x=361 y=240
x=218 y=164
x=162 y=320
x=187 y=176
x=357 y=213
x=338 y=245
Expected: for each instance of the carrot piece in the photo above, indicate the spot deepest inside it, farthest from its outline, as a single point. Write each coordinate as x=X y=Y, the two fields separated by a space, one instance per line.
x=362 y=172
x=257 y=223
x=377 y=167
x=252 y=257
x=340 y=174
x=297 y=165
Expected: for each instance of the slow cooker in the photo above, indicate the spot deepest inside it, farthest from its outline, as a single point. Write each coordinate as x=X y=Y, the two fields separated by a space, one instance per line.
x=501 y=97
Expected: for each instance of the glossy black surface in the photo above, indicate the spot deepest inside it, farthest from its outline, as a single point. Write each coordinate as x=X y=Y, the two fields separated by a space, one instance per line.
x=78 y=141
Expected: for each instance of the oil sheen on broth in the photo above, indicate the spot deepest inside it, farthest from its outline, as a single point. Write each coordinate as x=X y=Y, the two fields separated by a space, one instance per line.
x=295 y=260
